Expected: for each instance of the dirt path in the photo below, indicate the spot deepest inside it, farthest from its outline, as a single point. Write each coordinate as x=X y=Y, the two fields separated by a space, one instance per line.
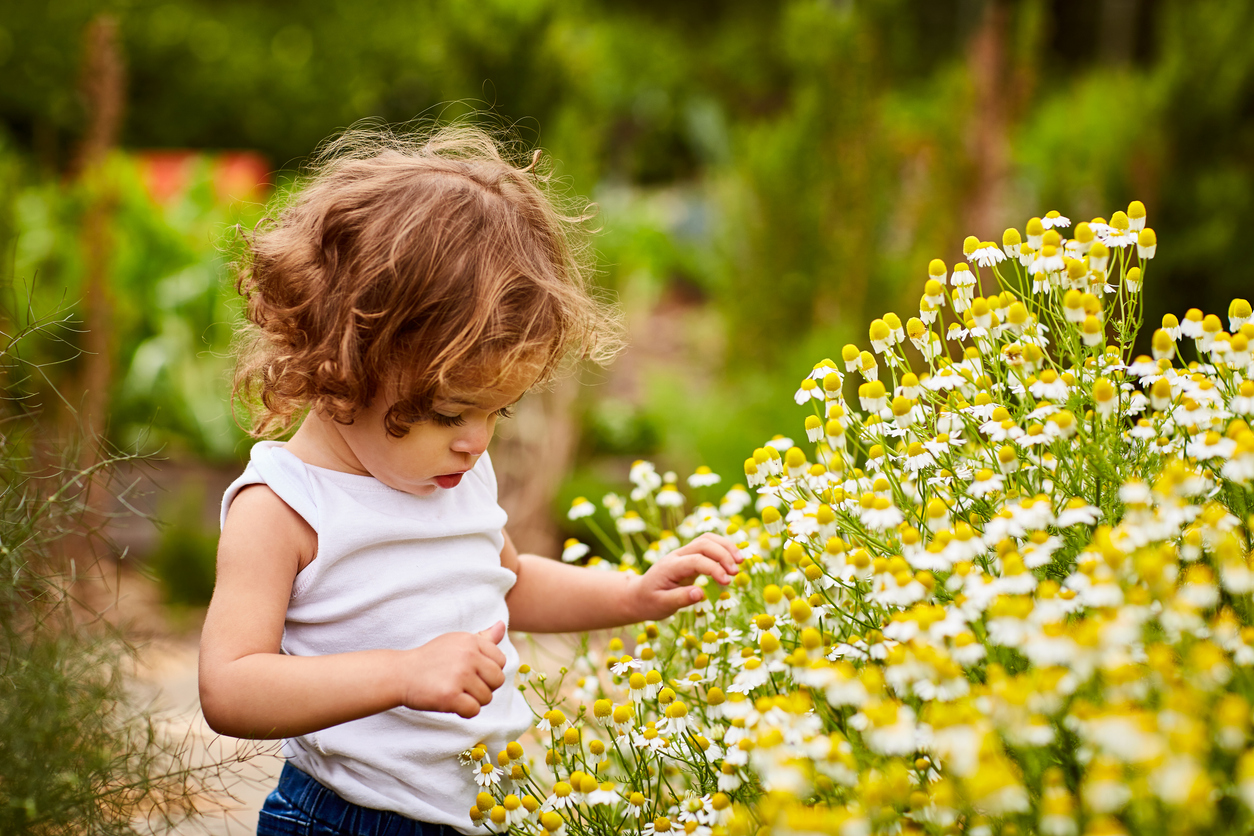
x=248 y=770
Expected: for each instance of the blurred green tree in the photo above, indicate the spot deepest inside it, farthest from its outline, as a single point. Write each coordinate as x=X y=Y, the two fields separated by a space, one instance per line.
x=815 y=153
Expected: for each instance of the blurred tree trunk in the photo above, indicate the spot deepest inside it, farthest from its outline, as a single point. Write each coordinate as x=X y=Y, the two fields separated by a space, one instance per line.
x=990 y=141
x=1118 y=31
x=102 y=88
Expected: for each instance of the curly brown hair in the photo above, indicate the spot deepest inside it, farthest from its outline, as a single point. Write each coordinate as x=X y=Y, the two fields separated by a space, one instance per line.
x=411 y=267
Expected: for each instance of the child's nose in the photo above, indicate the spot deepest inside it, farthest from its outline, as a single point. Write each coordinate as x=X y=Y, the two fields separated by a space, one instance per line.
x=474 y=440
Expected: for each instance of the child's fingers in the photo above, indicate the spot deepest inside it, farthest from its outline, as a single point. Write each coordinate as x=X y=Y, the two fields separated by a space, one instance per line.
x=684 y=596
x=491 y=674
x=689 y=565
x=476 y=687
x=731 y=545
x=725 y=542
x=714 y=551
x=491 y=651
x=494 y=633
x=717 y=547
x=466 y=706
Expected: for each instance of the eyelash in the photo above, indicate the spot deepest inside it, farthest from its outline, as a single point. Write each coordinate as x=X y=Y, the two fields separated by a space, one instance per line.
x=457 y=420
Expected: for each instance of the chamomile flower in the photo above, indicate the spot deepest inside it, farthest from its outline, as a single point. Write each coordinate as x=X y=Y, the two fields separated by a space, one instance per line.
x=868 y=366
x=809 y=390
x=605 y=795
x=704 y=477
x=1050 y=386
x=987 y=255
x=553 y=720
x=1077 y=512
x=987 y=482
x=882 y=515
x=652 y=684
x=487 y=775
x=1133 y=280
x=734 y=501
x=573 y=550
x=1039 y=549
x=614 y=504
x=1053 y=220
x=515 y=811
x=1239 y=314
x=660 y=825
x=1105 y=397
x=669 y=497
x=1242 y=402
x=1010 y=242
x=779 y=443
x=677 y=720
x=630 y=523
x=889 y=728
x=920 y=456
x=899 y=485
x=1049 y=260
x=1119 y=232
x=564 y=797
x=625 y=665
x=623 y=715
x=644 y=474
x=753 y=674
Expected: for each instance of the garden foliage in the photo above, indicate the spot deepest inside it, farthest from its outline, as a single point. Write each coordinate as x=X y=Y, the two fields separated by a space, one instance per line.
x=789 y=162
x=169 y=330
x=1005 y=588
x=79 y=752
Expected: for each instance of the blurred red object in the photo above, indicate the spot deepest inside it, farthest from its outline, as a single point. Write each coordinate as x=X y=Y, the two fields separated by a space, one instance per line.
x=241 y=175
x=166 y=173
x=235 y=175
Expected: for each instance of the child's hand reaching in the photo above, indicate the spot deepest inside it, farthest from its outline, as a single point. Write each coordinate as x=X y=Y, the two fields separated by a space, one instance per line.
x=456 y=672
x=667 y=586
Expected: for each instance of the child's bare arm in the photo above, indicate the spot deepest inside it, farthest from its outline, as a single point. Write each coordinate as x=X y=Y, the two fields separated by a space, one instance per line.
x=249 y=689
x=554 y=597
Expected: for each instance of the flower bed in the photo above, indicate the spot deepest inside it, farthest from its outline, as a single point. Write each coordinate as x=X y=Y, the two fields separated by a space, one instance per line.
x=1005 y=589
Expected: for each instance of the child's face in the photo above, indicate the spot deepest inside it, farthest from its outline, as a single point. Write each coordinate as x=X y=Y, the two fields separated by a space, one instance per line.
x=434 y=454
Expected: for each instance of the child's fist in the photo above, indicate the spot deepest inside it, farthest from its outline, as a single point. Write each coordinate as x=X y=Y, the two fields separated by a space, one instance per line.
x=667 y=586
x=456 y=672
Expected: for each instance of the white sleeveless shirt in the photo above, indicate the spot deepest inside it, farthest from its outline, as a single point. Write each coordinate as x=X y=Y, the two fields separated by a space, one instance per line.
x=394 y=571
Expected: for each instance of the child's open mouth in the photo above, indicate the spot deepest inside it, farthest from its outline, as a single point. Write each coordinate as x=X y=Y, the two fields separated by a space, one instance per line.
x=448 y=480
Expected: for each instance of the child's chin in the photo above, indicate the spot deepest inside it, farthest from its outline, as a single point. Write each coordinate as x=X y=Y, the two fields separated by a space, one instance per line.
x=422 y=489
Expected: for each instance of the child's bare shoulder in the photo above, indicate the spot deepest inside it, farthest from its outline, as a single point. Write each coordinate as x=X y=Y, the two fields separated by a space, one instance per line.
x=258 y=521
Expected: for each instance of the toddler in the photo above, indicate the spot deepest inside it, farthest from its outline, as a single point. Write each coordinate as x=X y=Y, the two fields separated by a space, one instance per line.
x=400 y=304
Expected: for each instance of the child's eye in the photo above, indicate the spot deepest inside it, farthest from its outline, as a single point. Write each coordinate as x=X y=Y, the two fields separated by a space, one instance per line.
x=447 y=420
x=458 y=420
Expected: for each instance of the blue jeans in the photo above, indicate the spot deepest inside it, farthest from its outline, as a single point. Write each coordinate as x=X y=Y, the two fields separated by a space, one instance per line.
x=300 y=806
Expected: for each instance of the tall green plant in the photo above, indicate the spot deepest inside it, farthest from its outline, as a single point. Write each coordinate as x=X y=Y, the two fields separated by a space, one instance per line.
x=78 y=753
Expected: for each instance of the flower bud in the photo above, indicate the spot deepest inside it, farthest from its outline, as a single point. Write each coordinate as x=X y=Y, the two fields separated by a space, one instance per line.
x=1136 y=215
